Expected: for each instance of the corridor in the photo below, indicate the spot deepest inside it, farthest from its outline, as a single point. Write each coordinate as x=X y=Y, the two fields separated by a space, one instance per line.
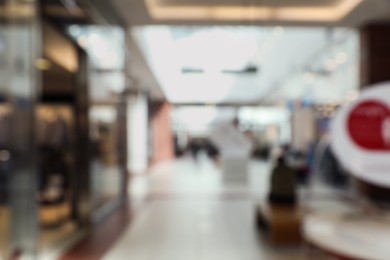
x=185 y=212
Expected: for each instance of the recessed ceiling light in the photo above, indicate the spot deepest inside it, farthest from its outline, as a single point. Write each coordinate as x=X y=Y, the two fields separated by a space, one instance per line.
x=341 y=58
x=309 y=77
x=328 y=13
x=330 y=65
x=83 y=41
x=279 y=31
x=352 y=95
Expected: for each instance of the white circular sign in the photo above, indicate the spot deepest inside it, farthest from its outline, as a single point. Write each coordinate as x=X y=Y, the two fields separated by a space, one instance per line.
x=360 y=135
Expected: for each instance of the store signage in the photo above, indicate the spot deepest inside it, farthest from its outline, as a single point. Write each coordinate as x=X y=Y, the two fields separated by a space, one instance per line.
x=369 y=125
x=360 y=135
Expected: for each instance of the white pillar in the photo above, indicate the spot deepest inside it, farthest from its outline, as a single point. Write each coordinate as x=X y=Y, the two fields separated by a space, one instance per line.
x=137 y=127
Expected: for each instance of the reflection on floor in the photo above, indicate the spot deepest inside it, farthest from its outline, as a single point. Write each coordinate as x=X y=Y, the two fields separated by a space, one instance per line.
x=190 y=214
x=4 y=229
x=105 y=180
x=54 y=242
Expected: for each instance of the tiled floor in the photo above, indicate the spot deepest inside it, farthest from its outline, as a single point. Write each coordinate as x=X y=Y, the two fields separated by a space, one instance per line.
x=191 y=214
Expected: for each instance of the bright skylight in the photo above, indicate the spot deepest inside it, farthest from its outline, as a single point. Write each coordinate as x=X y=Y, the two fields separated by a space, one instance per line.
x=191 y=63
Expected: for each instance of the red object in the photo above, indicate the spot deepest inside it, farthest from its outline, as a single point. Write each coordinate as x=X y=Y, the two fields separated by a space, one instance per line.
x=369 y=125
x=16 y=254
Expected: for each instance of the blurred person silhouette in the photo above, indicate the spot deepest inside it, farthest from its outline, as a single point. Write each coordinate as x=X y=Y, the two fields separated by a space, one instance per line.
x=282 y=183
x=195 y=147
x=326 y=167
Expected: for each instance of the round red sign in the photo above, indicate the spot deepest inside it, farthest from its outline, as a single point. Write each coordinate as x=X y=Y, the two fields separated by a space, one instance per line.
x=369 y=125
x=360 y=135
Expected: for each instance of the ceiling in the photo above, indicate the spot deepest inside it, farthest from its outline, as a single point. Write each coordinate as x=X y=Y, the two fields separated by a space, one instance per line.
x=276 y=3
x=271 y=12
x=105 y=46
x=206 y=64
x=320 y=11
x=172 y=35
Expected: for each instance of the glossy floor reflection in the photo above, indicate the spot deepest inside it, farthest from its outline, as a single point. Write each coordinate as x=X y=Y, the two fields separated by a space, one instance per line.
x=190 y=214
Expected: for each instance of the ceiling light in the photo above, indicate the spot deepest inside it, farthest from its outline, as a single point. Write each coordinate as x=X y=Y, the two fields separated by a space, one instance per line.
x=279 y=31
x=83 y=41
x=75 y=30
x=159 y=11
x=309 y=77
x=352 y=95
x=190 y=70
x=249 y=69
x=330 y=65
x=341 y=58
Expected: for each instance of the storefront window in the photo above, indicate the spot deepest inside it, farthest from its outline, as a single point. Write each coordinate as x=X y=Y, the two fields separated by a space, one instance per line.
x=105 y=48
x=18 y=90
x=105 y=157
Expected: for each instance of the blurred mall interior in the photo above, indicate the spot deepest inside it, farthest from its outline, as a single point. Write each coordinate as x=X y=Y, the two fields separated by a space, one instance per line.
x=194 y=129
